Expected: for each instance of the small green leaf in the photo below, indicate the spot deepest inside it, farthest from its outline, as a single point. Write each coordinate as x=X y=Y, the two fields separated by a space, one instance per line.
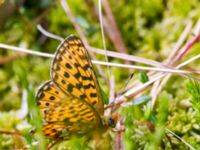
x=143 y=77
x=141 y=100
x=82 y=22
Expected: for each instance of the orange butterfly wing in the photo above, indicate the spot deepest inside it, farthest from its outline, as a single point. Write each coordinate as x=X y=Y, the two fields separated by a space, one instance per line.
x=71 y=103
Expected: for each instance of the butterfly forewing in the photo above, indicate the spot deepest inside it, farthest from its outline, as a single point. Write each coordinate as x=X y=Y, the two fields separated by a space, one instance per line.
x=72 y=71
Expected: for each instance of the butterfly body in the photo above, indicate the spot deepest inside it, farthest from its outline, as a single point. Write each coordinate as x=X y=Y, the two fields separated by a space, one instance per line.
x=71 y=102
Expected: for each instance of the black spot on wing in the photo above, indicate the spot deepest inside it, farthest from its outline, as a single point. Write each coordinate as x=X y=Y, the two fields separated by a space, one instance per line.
x=86 y=67
x=83 y=96
x=93 y=94
x=63 y=81
x=56 y=92
x=87 y=78
x=52 y=98
x=67 y=65
x=76 y=65
x=66 y=75
x=79 y=86
x=70 y=87
x=77 y=75
x=47 y=104
x=88 y=86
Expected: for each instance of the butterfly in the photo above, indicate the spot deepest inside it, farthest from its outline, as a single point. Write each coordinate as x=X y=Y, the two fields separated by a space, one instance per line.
x=71 y=102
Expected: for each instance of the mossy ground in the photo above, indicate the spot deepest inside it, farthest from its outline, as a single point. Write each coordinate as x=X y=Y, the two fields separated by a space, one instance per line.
x=149 y=29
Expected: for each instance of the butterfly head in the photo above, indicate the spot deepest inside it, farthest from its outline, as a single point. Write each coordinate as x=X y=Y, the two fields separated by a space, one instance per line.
x=111 y=121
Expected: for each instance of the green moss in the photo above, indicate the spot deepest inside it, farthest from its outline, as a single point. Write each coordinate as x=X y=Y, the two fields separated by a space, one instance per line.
x=149 y=29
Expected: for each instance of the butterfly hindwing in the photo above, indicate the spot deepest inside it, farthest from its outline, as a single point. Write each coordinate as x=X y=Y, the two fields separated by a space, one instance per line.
x=72 y=110
x=47 y=96
x=63 y=113
x=54 y=130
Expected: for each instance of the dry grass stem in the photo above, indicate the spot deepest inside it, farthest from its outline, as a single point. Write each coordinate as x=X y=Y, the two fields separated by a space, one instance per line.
x=32 y=52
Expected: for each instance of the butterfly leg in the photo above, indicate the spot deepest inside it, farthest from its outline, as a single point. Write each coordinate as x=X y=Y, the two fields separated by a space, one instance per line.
x=50 y=145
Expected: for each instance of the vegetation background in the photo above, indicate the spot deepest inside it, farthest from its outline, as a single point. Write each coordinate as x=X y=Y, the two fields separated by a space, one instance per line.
x=148 y=29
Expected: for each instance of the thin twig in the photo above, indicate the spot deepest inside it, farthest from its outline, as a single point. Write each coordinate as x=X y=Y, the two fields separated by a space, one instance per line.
x=68 y=12
x=140 y=67
x=115 y=35
x=166 y=78
x=103 y=37
x=110 y=26
x=130 y=93
x=28 y=51
x=181 y=139
x=196 y=29
x=4 y=60
x=189 y=46
x=123 y=98
x=153 y=92
x=176 y=59
x=119 y=135
x=188 y=61
x=126 y=87
x=112 y=89
x=170 y=141
x=157 y=87
x=173 y=59
x=10 y=132
x=101 y=25
x=150 y=74
x=41 y=16
x=180 y=41
x=109 y=53
x=143 y=86
x=123 y=56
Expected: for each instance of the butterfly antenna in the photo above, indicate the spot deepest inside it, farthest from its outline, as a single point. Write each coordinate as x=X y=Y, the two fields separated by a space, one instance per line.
x=129 y=78
x=51 y=145
x=126 y=84
x=48 y=34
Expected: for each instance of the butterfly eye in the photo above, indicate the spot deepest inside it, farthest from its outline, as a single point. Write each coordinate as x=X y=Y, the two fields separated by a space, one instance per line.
x=111 y=122
x=32 y=131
